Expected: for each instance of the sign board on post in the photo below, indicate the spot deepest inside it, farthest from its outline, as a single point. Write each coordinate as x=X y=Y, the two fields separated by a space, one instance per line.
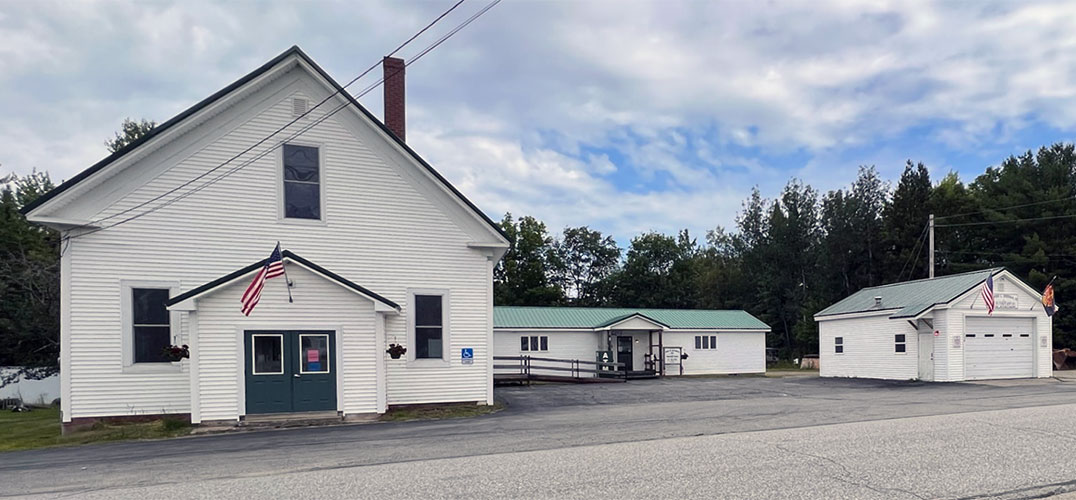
x=604 y=357
x=467 y=356
x=673 y=358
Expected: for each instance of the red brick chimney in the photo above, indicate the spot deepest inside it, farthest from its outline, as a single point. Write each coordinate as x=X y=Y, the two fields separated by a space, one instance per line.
x=394 y=96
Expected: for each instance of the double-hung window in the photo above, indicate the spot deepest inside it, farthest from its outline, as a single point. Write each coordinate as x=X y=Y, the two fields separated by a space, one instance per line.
x=151 y=325
x=707 y=342
x=302 y=182
x=534 y=343
x=429 y=326
x=838 y=345
x=899 y=342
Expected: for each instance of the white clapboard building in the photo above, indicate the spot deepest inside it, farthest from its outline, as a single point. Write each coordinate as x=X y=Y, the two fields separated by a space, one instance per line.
x=938 y=329
x=161 y=239
x=645 y=342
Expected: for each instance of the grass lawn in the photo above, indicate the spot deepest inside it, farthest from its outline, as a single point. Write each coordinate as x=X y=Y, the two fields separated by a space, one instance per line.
x=439 y=412
x=41 y=428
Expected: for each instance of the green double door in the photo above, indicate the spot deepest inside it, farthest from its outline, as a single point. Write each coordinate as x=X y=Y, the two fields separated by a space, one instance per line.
x=290 y=371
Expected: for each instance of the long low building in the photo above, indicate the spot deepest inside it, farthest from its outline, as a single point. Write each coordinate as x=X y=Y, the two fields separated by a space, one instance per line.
x=644 y=341
x=938 y=329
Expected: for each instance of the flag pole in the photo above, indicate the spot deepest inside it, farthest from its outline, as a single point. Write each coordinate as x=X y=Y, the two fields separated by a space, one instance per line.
x=287 y=280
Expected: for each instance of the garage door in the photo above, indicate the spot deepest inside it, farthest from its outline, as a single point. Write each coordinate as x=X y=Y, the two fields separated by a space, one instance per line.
x=998 y=348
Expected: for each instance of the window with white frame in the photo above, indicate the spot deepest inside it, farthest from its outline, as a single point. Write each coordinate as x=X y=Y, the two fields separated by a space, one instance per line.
x=534 y=343
x=838 y=345
x=151 y=326
x=706 y=342
x=429 y=323
x=900 y=343
x=302 y=182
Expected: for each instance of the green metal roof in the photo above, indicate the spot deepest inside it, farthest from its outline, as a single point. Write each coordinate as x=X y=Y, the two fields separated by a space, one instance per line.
x=911 y=297
x=598 y=317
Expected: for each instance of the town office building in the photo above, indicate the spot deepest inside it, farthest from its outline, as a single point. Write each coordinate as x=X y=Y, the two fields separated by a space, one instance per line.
x=644 y=342
x=379 y=248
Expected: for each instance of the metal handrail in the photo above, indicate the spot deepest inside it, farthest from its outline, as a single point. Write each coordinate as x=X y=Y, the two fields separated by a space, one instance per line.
x=525 y=365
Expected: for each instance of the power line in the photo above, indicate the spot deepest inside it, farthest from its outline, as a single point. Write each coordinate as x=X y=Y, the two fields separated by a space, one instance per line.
x=296 y=134
x=915 y=252
x=1006 y=208
x=281 y=129
x=1031 y=219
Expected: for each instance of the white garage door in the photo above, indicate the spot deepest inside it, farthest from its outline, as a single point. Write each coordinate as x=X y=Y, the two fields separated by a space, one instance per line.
x=998 y=348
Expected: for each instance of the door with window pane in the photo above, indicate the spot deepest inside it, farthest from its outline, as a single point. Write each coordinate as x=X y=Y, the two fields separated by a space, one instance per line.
x=290 y=371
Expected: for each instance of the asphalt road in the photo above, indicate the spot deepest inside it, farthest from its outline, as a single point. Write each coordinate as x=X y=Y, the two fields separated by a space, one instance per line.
x=719 y=437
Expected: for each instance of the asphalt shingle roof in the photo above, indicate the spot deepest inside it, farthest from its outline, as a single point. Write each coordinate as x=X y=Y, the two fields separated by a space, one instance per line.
x=597 y=317
x=911 y=297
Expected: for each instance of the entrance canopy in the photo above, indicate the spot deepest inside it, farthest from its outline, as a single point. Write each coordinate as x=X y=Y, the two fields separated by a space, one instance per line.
x=187 y=301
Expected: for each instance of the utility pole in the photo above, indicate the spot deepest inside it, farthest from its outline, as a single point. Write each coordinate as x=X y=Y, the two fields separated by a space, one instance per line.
x=930 y=225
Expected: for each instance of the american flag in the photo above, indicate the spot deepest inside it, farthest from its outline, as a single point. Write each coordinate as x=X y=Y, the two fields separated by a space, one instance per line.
x=988 y=294
x=274 y=266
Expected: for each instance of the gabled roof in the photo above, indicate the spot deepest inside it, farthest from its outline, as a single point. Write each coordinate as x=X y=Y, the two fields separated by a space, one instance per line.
x=910 y=298
x=288 y=255
x=293 y=51
x=618 y=320
x=600 y=317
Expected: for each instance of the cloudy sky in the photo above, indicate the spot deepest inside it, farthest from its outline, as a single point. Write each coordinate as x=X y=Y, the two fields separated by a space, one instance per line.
x=625 y=116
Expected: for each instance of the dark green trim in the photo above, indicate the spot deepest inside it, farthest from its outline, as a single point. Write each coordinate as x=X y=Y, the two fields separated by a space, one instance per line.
x=287 y=254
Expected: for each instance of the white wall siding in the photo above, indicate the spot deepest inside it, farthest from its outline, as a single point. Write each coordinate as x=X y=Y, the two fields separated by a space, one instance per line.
x=737 y=352
x=319 y=305
x=381 y=230
x=581 y=346
x=868 y=348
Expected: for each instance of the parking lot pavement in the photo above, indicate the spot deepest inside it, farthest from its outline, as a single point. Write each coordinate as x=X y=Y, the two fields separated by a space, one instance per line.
x=537 y=418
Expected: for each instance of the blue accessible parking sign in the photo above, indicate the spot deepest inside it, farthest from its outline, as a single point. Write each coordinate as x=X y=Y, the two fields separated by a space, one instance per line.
x=467 y=356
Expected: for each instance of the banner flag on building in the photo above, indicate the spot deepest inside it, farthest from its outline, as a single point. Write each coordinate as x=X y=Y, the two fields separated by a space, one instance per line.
x=988 y=294
x=1048 y=303
x=274 y=267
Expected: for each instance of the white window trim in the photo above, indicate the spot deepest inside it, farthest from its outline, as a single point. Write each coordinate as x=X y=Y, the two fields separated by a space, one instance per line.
x=895 y=344
x=322 y=154
x=446 y=331
x=328 y=354
x=539 y=349
x=705 y=340
x=127 y=321
x=253 y=353
x=835 y=344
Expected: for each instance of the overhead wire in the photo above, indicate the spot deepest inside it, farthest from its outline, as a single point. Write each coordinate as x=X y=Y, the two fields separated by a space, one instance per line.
x=281 y=129
x=306 y=128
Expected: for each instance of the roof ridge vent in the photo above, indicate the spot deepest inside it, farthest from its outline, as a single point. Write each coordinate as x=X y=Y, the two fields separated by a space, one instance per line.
x=877 y=301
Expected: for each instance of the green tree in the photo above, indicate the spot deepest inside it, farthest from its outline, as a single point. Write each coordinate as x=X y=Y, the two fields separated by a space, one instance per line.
x=658 y=271
x=905 y=219
x=520 y=278
x=29 y=283
x=130 y=131
x=585 y=258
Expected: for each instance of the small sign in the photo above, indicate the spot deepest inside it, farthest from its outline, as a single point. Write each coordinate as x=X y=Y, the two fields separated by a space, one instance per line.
x=672 y=356
x=1006 y=301
x=467 y=356
x=956 y=341
x=312 y=356
x=313 y=367
x=604 y=357
x=1043 y=341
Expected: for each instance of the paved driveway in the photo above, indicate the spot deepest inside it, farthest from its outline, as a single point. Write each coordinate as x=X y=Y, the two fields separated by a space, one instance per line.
x=696 y=429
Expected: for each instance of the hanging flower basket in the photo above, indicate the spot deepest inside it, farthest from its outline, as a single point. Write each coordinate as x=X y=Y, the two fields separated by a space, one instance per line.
x=396 y=350
x=176 y=353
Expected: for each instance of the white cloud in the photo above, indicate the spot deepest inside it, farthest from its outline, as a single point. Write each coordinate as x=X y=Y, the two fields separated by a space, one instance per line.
x=628 y=116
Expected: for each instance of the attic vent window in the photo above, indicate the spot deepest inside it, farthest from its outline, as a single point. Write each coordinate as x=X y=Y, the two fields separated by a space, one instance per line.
x=878 y=302
x=299 y=106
